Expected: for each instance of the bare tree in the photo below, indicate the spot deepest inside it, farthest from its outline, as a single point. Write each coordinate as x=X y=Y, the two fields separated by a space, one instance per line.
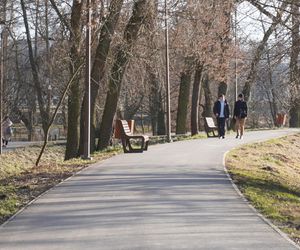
x=139 y=15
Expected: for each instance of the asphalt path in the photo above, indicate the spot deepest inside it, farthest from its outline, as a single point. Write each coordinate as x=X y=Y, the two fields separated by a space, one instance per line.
x=12 y=145
x=174 y=196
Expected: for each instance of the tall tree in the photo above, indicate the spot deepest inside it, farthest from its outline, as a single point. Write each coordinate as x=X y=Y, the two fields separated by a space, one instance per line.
x=120 y=61
x=260 y=49
x=294 y=67
x=225 y=43
x=34 y=70
x=196 y=99
x=75 y=92
x=183 y=99
x=207 y=111
x=156 y=105
x=98 y=69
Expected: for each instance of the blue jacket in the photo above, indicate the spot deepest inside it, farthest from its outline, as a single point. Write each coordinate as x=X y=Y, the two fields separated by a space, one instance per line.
x=217 y=109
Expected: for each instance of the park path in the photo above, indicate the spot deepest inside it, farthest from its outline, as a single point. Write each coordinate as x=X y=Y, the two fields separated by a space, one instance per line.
x=175 y=196
x=19 y=144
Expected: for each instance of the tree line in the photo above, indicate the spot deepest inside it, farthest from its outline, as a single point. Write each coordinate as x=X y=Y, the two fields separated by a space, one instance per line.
x=45 y=55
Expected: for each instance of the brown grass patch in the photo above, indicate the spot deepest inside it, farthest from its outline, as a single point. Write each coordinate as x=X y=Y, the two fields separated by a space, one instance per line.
x=21 y=181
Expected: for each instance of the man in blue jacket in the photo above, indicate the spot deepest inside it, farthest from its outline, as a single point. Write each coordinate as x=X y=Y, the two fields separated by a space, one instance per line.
x=221 y=111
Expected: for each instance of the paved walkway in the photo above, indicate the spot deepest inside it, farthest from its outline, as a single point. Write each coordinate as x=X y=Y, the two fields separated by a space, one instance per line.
x=18 y=144
x=175 y=196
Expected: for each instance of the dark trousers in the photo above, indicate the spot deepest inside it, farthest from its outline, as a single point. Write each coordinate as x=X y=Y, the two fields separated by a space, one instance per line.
x=221 y=126
x=4 y=142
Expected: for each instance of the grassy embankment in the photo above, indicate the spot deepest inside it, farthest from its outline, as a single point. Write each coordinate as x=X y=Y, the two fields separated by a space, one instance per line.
x=268 y=174
x=21 y=181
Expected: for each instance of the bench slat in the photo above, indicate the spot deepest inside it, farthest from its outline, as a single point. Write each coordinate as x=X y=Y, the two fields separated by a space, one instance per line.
x=127 y=134
x=210 y=122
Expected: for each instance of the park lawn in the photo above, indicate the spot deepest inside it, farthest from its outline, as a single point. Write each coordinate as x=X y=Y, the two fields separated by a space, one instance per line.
x=21 y=181
x=268 y=174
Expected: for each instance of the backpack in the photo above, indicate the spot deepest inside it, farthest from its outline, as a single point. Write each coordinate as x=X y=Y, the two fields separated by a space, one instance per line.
x=243 y=112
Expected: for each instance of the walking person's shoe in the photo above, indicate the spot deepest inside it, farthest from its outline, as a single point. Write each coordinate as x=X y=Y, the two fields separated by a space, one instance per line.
x=241 y=137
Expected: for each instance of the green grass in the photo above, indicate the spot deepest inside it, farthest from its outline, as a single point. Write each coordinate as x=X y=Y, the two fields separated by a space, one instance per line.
x=268 y=175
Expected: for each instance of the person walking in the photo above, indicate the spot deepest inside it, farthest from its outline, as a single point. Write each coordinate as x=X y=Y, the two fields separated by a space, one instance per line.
x=240 y=115
x=221 y=111
x=6 y=131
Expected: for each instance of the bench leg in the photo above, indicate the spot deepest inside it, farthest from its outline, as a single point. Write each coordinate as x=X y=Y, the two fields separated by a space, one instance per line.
x=146 y=146
x=135 y=150
x=124 y=144
x=214 y=133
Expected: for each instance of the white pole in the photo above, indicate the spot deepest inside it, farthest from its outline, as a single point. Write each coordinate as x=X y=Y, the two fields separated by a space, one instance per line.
x=235 y=53
x=87 y=114
x=169 y=138
x=1 y=87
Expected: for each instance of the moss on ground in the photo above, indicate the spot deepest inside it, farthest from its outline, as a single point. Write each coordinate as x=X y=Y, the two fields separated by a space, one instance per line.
x=268 y=174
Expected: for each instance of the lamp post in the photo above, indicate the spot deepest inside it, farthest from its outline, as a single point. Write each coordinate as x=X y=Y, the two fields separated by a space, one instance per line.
x=235 y=54
x=1 y=80
x=169 y=138
x=87 y=113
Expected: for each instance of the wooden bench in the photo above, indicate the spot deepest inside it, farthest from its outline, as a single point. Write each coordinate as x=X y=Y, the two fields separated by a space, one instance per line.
x=127 y=135
x=210 y=127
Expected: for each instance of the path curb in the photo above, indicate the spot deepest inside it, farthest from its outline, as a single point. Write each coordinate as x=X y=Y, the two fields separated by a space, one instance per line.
x=264 y=219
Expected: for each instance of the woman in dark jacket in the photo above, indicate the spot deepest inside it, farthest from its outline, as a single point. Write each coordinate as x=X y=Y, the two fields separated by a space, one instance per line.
x=221 y=111
x=240 y=115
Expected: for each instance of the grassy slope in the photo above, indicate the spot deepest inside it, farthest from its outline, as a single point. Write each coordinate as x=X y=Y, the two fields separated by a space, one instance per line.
x=21 y=181
x=268 y=174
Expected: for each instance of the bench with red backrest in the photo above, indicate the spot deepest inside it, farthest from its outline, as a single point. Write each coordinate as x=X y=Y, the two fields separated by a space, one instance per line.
x=127 y=136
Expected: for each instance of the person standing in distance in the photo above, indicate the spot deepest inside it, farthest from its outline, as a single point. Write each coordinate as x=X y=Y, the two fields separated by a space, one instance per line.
x=240 y=115
x=6 y=130
x=221 y=111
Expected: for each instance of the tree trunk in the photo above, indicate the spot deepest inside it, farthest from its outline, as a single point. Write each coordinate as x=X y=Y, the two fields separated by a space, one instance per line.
x=207 y=112
x=161 y=123
x=97 y=72
x=75 y=93
x=119 y=66
x=156 y=104
x=222 y=89
x=294 y=68
x=225 y=44
x=195 y=101
x=272 y=95
x=183 y=101
x=37 y=84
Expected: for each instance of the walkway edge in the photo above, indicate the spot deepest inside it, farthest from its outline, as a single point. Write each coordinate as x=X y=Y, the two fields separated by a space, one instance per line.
x=264 y=219
x=47 y=191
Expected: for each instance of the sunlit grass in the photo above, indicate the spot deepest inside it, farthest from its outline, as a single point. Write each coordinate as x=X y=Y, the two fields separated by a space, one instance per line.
x=268 y=174
x=21 y=181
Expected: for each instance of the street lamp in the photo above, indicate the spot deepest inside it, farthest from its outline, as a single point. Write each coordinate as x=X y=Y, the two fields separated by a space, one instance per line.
x=169 y=138
x=1 y=80
x=235 y=54
x=87 y=113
